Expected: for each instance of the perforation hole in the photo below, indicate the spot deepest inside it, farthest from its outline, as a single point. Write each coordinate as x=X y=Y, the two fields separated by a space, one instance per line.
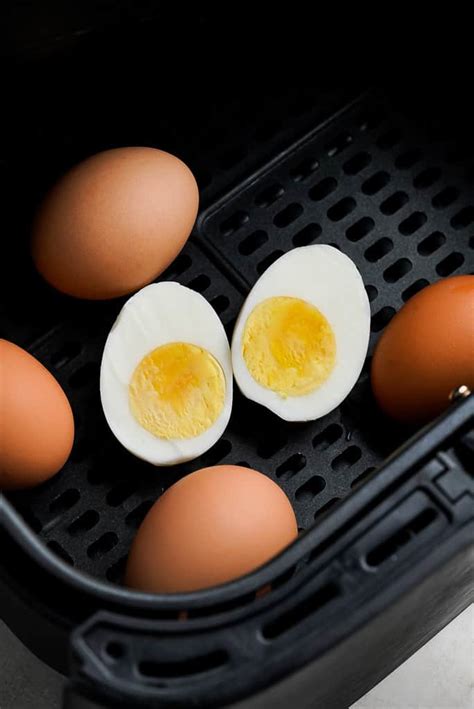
x=397 y=270
x=84 y=523
x=322 y=189
x=269 y=195
x=68 y=352
x=412 y=223
x=393 y=203
x=183 y=668
x=84 y=376
x=288 y=215
x=387 y=549
x=377 y=251
x=357 y=163
x=310 y=489
x=308 y=607
x=102 y=546
x=62 y=553
x=65 y=501
x=389 y=138
x=431 y=243
x=322 y=441
x=307 y=235
x=200 y=283
x=426 y=178
x=408 y=158
x=291 y=466
x=340 y=143
x=360 y=229
x=326 y=507
x=268 y=260
x=252 y=242
x=372 y=292
x=342 y=209
x=120 y=493
x=450 y=264
x=375 y=183
x=463 y=218
x=363 y=476
x=446 y=197
x=220 y=303
x=414 y=289
x=137 y=515
x=234 y=223
x=346 y=459
x=304 y=169
x=382 y=318
x=114 y=650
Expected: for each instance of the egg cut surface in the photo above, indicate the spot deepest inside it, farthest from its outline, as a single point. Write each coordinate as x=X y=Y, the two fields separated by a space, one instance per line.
x=166 y=375
x=301 y=338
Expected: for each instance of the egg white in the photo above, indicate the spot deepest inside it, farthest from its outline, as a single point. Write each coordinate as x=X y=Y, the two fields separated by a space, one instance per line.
x=158 y=314
x=326 y=278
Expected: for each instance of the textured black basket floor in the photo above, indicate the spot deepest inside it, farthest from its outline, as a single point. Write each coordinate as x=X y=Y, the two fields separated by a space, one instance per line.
x=397 y=201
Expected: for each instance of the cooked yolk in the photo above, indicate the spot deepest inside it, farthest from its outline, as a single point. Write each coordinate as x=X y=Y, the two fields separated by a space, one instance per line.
x=288 y=346
x=177 y=391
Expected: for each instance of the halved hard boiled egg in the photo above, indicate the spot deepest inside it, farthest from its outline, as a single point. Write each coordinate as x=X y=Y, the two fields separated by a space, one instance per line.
x=166 y=375
x=301 y=338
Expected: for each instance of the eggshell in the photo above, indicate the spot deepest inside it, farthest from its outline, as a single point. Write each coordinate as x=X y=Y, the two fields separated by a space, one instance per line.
x=36 y=422
x=114 y=222
x=426 y=351
x=210 y=527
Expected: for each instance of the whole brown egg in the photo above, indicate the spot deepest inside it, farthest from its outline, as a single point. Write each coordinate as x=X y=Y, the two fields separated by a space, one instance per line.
x=36 y=422
x=426 y=352
x=210 y=527
x=114 y=222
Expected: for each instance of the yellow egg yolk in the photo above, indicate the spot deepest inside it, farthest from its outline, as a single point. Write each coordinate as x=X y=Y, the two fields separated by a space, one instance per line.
x=288 y=346
x=177 y=391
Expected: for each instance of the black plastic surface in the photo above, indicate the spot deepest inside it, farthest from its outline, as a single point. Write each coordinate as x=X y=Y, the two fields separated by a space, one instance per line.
x=365 y=182
x=394 y=193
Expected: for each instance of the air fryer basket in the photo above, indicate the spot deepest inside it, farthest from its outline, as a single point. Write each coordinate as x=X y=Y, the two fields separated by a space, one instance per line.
x=393 y=192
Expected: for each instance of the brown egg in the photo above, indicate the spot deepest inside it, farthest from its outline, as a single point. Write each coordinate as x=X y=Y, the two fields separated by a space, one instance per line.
x=426 y=351
x=36 y=422
x=114 y=222
x=210 y=527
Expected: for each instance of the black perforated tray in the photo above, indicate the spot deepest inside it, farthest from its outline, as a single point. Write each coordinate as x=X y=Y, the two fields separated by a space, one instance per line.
x=365 y=182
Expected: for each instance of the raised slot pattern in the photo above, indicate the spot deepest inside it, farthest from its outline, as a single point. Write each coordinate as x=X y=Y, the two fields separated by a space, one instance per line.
x=397 y=270
x=388 y=549
x=431 y=243
x=310 y=606
x=152 y=669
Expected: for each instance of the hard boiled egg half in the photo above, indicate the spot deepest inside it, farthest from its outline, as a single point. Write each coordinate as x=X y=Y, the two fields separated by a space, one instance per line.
x=301 y=338
x=166 y=375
